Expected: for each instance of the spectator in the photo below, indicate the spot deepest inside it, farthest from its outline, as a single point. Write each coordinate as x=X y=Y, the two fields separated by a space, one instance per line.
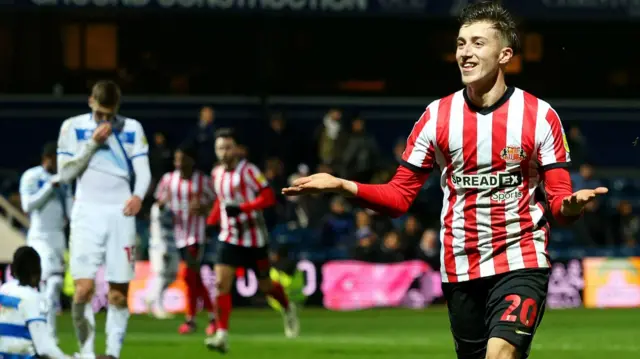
x=627 y=225
x=294 y=213
x=274 y=172
x=391 y=248
x=330 y=138
x=338 y=225
x=380 y=224
x=386 y=172
x=594 y=228
x=279 y=142
x=584 y=178
x=410 y=237
x=360 y=158
x=429 y=250
x=398 y=150
x=203 y=136
x=366 y=248
x=315 y=206
x=363 y=222
x=160 y=156
x=578 y=146
x=295 y=210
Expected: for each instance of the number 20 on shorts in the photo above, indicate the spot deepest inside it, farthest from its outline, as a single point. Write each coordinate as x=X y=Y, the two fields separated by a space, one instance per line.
x=528 y=310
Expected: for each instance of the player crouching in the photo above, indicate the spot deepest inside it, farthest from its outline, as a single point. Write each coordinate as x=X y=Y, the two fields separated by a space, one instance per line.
x=23 y=329
x=242 y=193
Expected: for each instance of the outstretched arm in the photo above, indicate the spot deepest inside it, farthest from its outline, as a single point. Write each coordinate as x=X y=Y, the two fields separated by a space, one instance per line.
x=554 y=158
x=557 y=185
x=566 y=207
x=395 y=197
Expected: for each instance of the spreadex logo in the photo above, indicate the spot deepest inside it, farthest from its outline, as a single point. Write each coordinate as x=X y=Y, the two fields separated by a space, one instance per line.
x=488 y=181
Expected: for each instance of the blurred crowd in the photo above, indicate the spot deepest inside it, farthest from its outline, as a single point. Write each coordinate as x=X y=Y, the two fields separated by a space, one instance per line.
x=324 y=227
x=320 y=227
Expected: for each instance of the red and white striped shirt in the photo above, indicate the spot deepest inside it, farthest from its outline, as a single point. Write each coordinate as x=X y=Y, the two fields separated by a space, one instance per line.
x=240 y=185
x=178 y=192
x=491 y=160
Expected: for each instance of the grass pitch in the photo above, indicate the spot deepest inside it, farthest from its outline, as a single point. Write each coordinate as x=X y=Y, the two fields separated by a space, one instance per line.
x=371 y=334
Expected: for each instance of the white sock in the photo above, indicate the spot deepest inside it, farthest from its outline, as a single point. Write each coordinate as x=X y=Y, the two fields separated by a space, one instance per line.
x=156 y=292
x=84 y=322
x=163 y=284
x=52 y=289
x=117 y=319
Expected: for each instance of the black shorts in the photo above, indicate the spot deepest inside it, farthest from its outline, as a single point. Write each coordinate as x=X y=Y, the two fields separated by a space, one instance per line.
x=245 y=257
x=192 y=255
x=508 y=306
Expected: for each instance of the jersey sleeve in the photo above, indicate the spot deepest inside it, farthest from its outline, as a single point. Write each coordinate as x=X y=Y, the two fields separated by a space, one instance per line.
x=67 y=141
x=254 y=177
x=140 y=143
x=33 y=308
x=33 y=194
x=553 y=149
x=419 y=154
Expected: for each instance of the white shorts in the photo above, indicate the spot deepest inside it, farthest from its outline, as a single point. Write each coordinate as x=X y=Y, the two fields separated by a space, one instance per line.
x=50 y=247
x=101 y=235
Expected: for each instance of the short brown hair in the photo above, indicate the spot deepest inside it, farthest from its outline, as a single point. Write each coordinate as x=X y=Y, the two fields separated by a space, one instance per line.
x=494 y=13
x=226 y=132
x=106 y=93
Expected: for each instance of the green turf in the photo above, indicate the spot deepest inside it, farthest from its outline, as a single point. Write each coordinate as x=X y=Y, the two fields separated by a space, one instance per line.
x=374 y=334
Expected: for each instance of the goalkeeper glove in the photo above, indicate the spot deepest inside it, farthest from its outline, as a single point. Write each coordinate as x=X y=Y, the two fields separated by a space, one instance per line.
x=232 y=209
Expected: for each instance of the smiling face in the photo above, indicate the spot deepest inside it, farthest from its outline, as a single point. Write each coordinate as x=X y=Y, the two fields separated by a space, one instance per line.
x=481 y=52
